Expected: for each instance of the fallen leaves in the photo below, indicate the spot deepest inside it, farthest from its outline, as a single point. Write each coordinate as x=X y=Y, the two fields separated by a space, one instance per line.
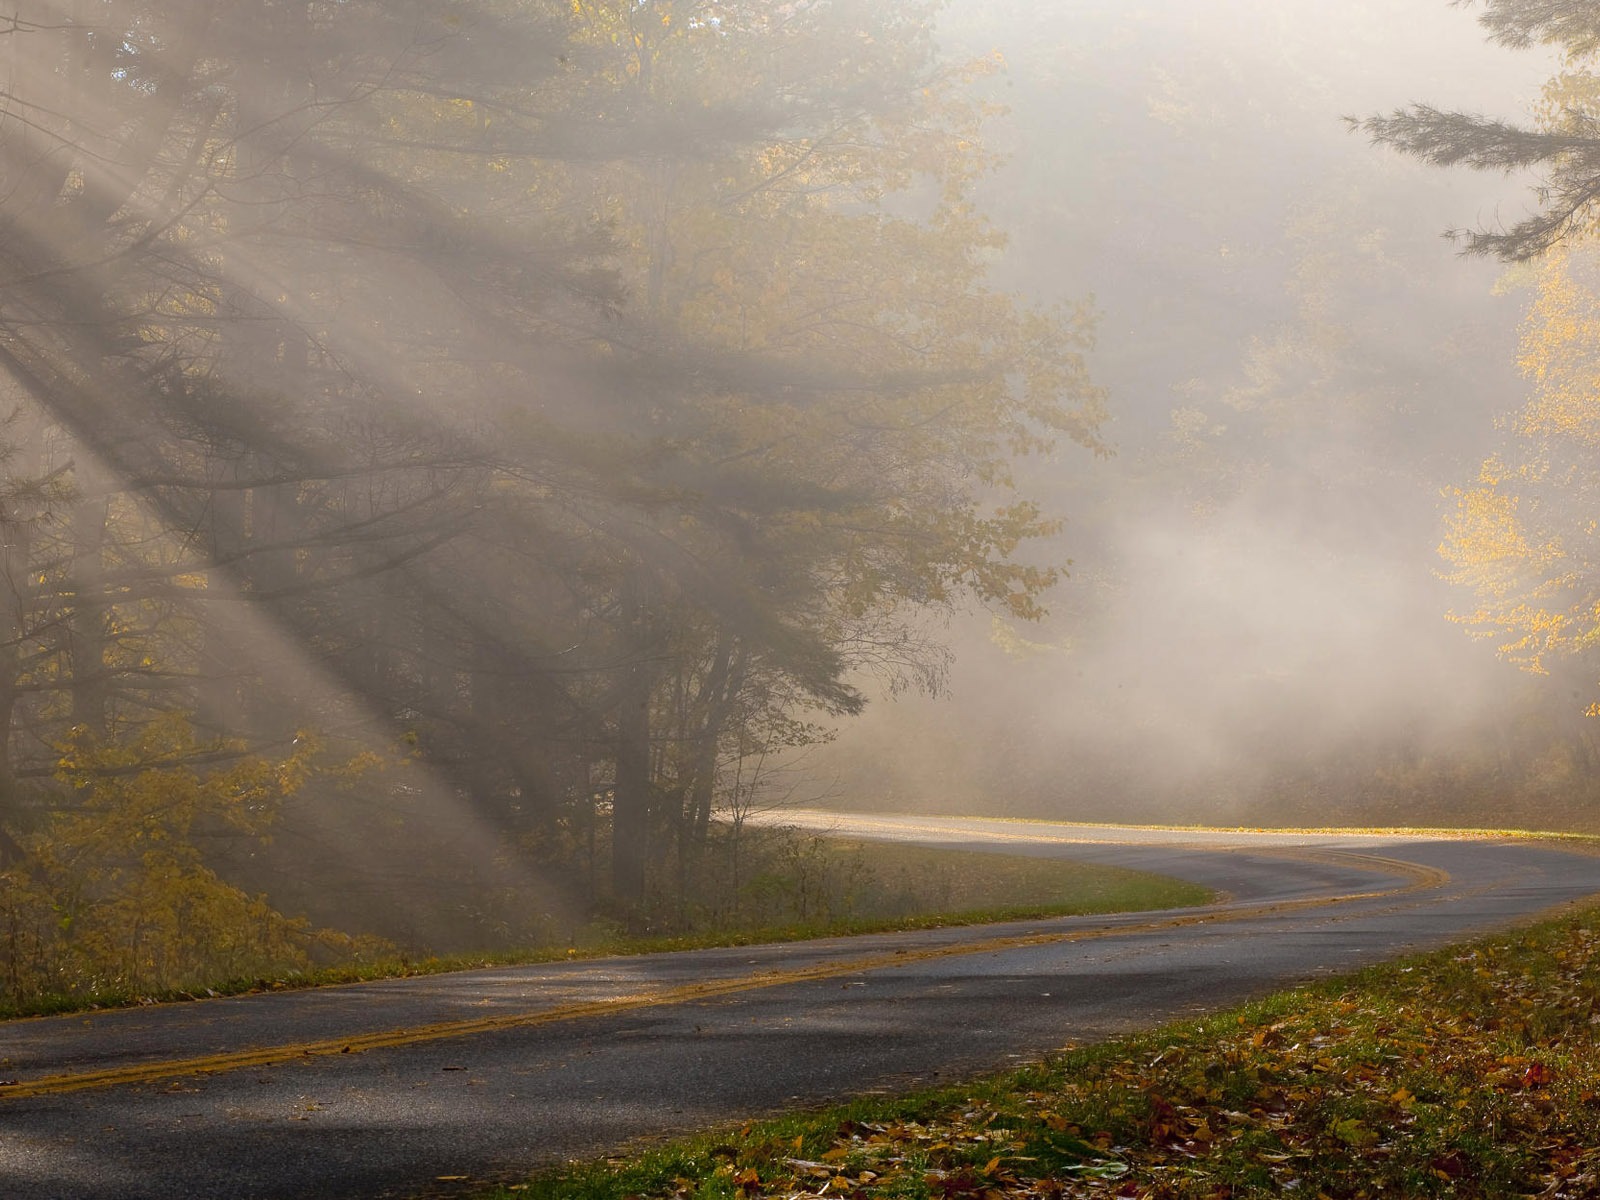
x=1468 y=1074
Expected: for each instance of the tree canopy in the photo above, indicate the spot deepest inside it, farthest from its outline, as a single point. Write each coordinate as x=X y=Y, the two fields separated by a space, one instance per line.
x=539 y=409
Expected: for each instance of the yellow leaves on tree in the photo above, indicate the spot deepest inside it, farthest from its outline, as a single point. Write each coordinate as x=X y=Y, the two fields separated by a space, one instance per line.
x=1523 y=540
x=117 y=896
x=1559 y=353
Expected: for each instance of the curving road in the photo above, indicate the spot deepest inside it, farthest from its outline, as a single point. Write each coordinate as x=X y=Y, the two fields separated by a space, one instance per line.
x=409 y=1086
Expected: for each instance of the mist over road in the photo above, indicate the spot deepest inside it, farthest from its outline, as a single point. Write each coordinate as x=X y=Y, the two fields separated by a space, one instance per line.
x=381 y=1089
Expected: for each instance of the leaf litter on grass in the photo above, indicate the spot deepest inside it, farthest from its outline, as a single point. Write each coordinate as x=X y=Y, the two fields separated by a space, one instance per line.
x=1473 y=1072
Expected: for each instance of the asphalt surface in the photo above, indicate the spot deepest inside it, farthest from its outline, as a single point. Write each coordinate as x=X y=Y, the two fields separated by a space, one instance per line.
x=393 y=1088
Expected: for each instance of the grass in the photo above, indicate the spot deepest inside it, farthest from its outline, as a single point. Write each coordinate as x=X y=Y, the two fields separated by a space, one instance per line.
x=908 y=887
x=971 y=886
x=1473 y=1072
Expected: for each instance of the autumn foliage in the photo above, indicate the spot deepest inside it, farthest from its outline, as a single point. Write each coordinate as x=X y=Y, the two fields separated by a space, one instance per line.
x=115 y=898
x=585 y=398
x=1466 y=1073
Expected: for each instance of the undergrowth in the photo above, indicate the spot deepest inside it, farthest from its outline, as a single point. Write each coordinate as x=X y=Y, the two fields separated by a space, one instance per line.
x=907 y=887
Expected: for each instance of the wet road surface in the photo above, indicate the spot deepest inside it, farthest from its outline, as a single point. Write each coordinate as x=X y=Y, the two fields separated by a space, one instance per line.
x=380 y=1089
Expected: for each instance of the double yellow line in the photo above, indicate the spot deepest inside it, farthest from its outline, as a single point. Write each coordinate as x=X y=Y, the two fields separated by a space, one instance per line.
x=1421 y=878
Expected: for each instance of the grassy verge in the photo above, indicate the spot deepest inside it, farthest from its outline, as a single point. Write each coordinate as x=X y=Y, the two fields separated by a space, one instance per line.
x=1470 y=1073
x=909 y=887
x=965 y=886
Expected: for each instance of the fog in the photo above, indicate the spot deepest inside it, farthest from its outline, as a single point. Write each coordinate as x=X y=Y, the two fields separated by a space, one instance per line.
x=1298 y=365
x=458 y=459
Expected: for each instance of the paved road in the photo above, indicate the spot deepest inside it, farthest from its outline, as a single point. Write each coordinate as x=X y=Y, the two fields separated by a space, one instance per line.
x=380 y=1089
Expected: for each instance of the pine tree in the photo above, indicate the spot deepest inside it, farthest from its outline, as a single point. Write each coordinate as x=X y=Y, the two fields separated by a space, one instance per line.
x=1564 y=146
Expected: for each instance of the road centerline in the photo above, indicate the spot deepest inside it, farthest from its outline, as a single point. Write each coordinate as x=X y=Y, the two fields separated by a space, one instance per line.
x=1420 y=878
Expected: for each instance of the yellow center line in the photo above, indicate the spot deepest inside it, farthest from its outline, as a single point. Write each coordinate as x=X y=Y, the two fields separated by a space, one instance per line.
x=1422 y=878
x=1266 y=841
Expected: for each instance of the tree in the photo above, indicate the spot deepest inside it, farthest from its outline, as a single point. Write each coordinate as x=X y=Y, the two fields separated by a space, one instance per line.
x=211 y=460
x=1563 y=144
x=1521 y=538
x=821 y=356
x=705 y=399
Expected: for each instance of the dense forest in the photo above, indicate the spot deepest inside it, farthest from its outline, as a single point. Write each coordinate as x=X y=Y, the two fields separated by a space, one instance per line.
x=450 y=446
x=458 y=458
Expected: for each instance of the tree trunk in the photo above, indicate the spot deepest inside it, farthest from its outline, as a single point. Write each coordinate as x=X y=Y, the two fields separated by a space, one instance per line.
x=630 y=806
x=88 y=627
